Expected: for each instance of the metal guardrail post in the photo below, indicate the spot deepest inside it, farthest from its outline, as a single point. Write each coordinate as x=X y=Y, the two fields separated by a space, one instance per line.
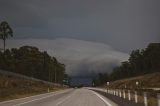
x=136 y=97
x=129 y=95
x=120 y=94
x=124 y=95
x=116 y=92
x=145 y=99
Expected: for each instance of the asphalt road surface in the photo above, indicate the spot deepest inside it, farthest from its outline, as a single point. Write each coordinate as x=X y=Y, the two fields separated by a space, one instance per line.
x=70 y=97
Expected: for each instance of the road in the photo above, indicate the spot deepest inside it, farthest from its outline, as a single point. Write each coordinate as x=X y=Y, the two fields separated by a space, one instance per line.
x=72 y=97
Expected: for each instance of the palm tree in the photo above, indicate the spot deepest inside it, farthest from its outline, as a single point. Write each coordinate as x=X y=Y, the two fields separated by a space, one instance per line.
x=5 y=32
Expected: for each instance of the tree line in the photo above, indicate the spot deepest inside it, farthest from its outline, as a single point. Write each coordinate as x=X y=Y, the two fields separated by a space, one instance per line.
x=29 y=61
x=140 y=62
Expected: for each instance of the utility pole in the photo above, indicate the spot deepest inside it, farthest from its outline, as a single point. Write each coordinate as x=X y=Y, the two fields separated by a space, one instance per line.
x=44 y=61
x=55 y=75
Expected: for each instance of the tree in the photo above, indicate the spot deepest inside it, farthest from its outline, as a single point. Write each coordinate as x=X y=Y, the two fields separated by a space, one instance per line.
x=5 y=32
x=29 y=61
x=140 y=62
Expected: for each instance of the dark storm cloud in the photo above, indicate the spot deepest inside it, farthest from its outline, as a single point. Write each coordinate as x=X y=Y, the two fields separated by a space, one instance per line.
x=82 y=58
x=123 y=24
x=115 y=22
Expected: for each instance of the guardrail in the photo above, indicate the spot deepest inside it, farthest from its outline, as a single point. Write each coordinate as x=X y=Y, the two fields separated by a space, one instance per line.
x=148 y=98
x=28 y=78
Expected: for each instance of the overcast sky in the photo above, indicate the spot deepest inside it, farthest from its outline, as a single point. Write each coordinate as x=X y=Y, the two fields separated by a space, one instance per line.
x=123 y=25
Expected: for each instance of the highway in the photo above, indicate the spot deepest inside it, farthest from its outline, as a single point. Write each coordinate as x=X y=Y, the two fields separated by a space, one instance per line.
x=71 y=97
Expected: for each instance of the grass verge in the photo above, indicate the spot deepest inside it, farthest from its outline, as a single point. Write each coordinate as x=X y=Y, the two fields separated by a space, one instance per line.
x=14 y=88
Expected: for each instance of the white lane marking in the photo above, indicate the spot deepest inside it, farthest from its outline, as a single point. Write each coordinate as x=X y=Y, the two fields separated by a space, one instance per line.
x=106 y=102
x=32 y=100
x=66 y=98
x=63 y=100
x=45 y=94
x=25 y=97
x=61 y=91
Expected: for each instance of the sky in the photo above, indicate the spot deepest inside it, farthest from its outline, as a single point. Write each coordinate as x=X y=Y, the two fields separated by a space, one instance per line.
x=89 y=36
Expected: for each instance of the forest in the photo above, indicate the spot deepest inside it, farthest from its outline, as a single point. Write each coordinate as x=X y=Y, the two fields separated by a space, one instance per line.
x=30 y=61
x=140 y=62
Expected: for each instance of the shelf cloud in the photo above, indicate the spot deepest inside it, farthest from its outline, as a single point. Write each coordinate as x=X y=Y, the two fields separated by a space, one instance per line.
x=82 y=58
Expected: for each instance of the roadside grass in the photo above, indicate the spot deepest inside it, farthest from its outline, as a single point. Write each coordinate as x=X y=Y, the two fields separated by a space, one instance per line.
x=145 y=81
x=14 y=88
